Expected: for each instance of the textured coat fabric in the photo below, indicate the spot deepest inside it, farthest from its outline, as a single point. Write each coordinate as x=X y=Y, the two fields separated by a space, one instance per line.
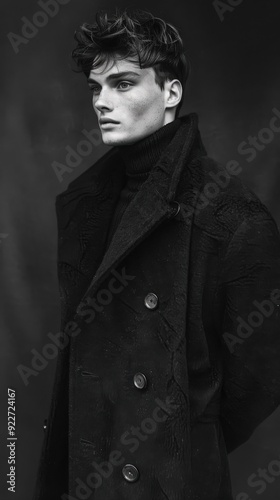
x=210 y=381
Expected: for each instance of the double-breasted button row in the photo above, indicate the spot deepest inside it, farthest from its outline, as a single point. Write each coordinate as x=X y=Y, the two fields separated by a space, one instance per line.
x=151 y=301
x=130 y=473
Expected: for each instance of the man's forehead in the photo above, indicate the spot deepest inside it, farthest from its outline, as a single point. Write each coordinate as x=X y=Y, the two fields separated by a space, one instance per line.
x=117 y=67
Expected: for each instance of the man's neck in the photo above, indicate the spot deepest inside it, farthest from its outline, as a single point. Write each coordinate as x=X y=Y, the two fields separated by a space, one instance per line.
x=142 y=155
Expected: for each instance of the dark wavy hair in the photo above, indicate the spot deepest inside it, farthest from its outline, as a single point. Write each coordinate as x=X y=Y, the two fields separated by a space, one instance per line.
x=133 y=35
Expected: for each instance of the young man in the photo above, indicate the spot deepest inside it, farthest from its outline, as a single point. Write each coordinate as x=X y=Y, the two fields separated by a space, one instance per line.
x=169 y=274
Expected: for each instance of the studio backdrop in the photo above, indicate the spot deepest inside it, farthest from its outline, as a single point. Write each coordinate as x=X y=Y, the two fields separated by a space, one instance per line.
x=50 y=135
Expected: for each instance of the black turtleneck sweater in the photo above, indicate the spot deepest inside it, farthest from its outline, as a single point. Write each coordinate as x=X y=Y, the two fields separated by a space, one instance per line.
x=139 y=158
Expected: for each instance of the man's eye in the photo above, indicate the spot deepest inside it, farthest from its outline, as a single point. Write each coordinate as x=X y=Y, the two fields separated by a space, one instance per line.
x=94 y=89
x=125 y=83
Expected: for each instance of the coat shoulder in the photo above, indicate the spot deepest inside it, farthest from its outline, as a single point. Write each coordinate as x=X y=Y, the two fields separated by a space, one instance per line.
x=97 y=169
x=223 y=201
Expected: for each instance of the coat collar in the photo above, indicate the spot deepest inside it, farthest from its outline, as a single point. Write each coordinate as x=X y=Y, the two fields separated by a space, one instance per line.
x=153 y=203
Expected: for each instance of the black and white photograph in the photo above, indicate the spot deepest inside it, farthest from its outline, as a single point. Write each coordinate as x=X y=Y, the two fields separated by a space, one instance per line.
x=140 y=250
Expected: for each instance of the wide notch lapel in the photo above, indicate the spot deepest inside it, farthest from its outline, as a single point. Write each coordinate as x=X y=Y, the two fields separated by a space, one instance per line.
x=153 y=203
x=83 y=213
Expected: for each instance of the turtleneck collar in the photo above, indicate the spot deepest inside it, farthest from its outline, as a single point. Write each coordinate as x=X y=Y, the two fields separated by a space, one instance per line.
x=141 y=156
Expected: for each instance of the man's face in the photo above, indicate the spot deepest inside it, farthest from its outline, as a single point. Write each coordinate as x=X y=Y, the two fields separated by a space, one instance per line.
x=134 y=101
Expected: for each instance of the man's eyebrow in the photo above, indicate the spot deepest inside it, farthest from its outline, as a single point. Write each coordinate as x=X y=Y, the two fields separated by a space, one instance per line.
x=114 y=76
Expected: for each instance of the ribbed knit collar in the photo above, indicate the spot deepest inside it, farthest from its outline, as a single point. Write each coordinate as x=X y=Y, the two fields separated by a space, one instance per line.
x=141 y=156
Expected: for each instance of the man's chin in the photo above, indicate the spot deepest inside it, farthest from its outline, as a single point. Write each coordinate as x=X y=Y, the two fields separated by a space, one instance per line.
x=111 y=140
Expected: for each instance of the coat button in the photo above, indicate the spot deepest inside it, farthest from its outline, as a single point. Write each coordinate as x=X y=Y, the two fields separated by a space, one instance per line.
x=151 y=301
x=139 y=380
x=45 y=424
x=177 y=208
x=130 y=473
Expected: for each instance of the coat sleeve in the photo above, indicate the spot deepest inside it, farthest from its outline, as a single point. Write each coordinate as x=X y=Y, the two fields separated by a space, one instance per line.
x=250 y=332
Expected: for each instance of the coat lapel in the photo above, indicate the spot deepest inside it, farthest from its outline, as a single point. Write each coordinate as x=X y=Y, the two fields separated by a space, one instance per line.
x=153 y=203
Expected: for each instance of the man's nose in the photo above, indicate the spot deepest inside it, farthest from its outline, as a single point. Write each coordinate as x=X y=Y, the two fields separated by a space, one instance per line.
x=103 y=101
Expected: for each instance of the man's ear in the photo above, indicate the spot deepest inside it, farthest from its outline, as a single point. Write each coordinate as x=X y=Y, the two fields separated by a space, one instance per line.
x=174 y=92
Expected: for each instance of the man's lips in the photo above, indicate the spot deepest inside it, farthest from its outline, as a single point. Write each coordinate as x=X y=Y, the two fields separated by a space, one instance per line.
x=104 y=121
x=108 y=125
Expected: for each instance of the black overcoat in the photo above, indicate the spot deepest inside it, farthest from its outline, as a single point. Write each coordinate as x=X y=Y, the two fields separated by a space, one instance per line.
x=170 y=340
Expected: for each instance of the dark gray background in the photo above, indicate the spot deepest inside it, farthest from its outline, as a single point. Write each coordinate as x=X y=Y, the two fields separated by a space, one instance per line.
x=234 y=87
